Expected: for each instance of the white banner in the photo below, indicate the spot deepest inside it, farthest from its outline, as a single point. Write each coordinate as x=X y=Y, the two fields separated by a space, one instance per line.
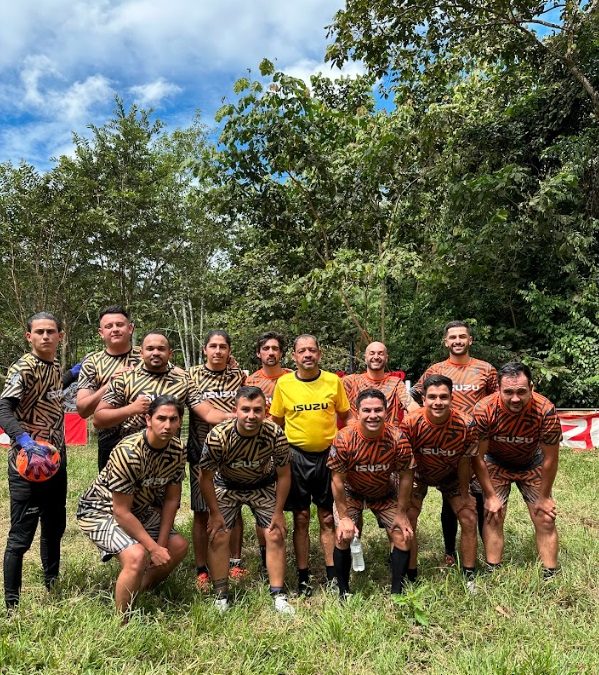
x=580 y=428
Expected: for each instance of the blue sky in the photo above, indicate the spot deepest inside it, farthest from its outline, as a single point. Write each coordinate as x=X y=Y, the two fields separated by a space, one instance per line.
x=63 y=61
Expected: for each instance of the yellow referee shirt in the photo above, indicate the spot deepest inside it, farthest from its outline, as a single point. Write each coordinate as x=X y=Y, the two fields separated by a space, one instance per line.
x=310 y=409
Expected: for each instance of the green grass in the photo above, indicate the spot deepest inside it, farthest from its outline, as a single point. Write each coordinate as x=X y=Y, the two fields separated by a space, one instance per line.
x=515 y=624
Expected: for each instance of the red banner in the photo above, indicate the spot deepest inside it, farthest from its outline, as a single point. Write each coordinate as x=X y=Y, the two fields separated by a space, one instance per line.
x=75 y=430
x=580 y=428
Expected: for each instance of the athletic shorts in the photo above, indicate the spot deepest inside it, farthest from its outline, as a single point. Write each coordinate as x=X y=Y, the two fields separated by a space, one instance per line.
x=384 y=509
x=310 y=480
x=260 y=500
x=198 y=504
x=449 y=487
x=110 y=537
x=528 y=481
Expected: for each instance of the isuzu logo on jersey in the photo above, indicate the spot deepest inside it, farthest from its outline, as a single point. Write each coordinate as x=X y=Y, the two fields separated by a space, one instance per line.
x=54 y=395
x=371 y=468
x=218 y=394
x=466 y=387
x=245 y=464
x=300 y=407
x=437 y=451
x=513 y=439
x=148 y=482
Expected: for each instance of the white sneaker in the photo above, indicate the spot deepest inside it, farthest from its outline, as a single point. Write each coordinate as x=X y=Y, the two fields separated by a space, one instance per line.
x=222 y=604
x=471 y=587
x=282 y=606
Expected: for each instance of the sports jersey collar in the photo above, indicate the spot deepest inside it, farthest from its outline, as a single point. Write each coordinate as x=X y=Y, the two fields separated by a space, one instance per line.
x=261 y=373
x=460 y=365
x=437 y=426
x=118 y=356
x=152 y=448
x=39 y=358
x=382 y=379
x=370 y=438
x=216 y=372
x=312 y=379
x=142 y=367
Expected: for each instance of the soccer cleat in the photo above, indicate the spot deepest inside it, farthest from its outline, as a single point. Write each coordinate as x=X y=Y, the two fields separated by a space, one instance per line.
x=282 y=606
x=238 y=572
x=203 y=582
x=305 y=588
x=221 y=604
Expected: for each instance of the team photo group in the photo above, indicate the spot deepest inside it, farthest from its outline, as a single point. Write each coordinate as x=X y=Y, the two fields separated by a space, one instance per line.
x=283 y=443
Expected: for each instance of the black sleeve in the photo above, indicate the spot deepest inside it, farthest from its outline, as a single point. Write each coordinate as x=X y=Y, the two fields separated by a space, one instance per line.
x=7 y=417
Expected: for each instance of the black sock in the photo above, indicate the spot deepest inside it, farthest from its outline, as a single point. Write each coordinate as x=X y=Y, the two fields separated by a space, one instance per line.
x=411 y=574
x=330 y=569
x=342 y=560
x=263 y=555
x=399 y=567
x=275 y=590
x=201 y=568
x=303 y=576
x=449 y=525
x=468 y=572
x=221 y=588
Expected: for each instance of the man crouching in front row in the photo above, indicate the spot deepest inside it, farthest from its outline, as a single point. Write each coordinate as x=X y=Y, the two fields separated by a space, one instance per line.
x=130 y=508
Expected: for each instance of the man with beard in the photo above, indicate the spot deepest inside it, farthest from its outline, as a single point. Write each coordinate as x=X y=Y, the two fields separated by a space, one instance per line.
x=270 y=348
x=519 y=437
x=308 y=403
x=398 y=399
x=472 y=380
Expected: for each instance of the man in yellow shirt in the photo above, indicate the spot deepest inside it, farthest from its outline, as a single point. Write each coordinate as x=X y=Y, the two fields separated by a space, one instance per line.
x=308 y=403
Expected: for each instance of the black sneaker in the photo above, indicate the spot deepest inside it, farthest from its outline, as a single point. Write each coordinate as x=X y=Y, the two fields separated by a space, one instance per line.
x=305 y=588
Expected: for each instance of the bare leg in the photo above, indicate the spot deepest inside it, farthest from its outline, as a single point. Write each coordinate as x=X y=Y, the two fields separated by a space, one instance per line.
x=200 y=537
x=236 y=539
x=301 y=538
x=468 y=540
x=275 y=557
x=327 y=534
x=546 y=536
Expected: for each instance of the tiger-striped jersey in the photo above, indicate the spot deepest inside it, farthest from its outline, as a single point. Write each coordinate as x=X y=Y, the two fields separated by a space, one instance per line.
x=472 y=381
x=438 y=448
x=244 y=460
x=135 y=468
x=515 y=438
x=266 y=383
x=369 y=462
x=392 y=386
x=219 y=388
x=98 y=368
x=127 y=387
x=37 y=385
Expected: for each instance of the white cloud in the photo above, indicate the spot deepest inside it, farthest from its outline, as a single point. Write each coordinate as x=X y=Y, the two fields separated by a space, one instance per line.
x=152 y=93
x=305 y=68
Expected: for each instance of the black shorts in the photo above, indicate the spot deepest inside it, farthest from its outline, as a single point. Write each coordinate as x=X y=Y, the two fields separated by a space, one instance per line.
x=310 y=480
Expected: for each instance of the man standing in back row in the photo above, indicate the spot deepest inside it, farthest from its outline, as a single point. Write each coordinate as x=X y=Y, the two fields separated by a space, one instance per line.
x=472 y=380
x=270 y=348
x=398 y=399
x=308 y=403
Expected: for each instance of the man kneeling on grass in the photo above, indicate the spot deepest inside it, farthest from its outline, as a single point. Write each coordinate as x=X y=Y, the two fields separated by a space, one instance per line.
x=372 y=467
x=246 y=461
x=130 y=508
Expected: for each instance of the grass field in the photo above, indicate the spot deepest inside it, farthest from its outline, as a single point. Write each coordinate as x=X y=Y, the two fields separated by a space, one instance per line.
x=516 y=623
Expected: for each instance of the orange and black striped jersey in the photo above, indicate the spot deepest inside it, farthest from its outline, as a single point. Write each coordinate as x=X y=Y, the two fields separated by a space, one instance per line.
x=37 y=386
x=98 y=368
x=472 y=381
x=266 y=383
x=219 y=388
x=243 y=462
x=126 y=387
x=515 y=438
x=392 y=386
x=369 y=462
x=135 y=468
x=438 y=448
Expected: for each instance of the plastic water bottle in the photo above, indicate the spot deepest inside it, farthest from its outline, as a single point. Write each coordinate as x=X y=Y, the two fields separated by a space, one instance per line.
x=357 y=555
